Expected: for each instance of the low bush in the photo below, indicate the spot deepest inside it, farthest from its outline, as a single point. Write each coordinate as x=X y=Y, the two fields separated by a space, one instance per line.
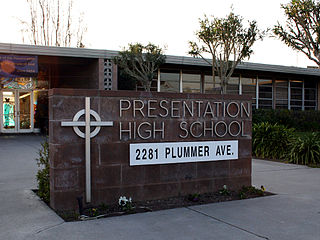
x=305 y=150
x=43 y=178
x=305 y=121
x=246 y=191
x=271 y=140
x=282 y=117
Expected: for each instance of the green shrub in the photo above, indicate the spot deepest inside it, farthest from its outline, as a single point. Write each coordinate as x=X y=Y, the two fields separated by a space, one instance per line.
x=43 y=178
x=300 y=120
x=271 y=140
x=305 y=150
x=224 y=191
x=246 y=191
x=280 y=116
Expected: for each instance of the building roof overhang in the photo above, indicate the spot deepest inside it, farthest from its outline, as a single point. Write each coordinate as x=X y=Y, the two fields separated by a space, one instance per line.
x=9 y=48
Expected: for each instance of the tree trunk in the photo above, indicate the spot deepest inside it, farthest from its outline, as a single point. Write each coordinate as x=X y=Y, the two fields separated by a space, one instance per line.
x=148 y=86
x=213 y=77
x=223 y=85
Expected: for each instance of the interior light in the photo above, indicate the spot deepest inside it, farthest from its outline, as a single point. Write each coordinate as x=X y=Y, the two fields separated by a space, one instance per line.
x=25 y=95
x=7 y=93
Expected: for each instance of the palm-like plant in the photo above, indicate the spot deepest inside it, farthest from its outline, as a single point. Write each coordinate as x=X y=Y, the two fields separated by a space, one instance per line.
x=305 y=150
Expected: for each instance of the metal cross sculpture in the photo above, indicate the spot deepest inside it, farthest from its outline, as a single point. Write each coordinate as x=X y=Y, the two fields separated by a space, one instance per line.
x=87 y=135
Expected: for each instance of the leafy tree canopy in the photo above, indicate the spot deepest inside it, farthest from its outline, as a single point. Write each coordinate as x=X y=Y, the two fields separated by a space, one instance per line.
x=302 y=29
x=141 y=62
x=228 y=42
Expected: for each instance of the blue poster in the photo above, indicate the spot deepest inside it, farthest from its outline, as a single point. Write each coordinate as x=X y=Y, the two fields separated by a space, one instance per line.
x=13 y=66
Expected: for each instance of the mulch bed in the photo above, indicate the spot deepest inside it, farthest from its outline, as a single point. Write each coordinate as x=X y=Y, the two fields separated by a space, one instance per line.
x=103 y=211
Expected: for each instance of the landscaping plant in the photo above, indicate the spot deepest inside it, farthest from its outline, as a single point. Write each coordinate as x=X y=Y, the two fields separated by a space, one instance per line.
x=225 y=191
x=246 y=191
x=125 y=204
x=228 y=40
x=194 y=197
x=302 y=121
x=271 y=140
x=141 y=62
x=43 y=178
x=305 y=150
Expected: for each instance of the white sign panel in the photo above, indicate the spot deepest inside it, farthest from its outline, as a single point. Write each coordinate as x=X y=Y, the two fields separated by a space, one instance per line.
x=182 y=152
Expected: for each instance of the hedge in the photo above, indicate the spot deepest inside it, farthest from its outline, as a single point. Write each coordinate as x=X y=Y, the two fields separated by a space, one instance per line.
x=302 y=121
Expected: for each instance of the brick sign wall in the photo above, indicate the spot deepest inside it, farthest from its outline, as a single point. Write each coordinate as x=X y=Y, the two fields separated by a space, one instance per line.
x=160 y=145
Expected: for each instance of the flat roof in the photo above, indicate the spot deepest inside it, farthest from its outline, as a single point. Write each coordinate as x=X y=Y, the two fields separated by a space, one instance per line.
x=10 y=48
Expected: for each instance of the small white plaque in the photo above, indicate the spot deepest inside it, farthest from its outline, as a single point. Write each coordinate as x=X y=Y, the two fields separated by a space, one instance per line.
x=182 y=152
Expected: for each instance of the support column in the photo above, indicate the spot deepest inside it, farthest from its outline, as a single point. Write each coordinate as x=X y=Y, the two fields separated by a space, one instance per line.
x=257 y=92
x=318 y=96
x=101 y=73
x=240 y=85
x=202 y=83
x=274 y=93
x=180 y=82
x=114 y=77
x=159 y=81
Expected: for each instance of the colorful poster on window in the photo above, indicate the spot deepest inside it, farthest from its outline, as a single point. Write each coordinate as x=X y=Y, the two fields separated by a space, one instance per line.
x=17 y=83
x=13 y=66
x=8 y=115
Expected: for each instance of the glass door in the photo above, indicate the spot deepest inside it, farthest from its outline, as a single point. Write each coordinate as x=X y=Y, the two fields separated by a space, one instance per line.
x=24 y=113
x=9 y=111
x=16 y=111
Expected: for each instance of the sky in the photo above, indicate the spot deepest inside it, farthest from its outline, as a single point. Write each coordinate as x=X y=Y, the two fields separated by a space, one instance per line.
x=171 y=24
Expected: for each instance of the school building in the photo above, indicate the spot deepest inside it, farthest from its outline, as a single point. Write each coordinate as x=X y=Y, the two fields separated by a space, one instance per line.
x=27 y=72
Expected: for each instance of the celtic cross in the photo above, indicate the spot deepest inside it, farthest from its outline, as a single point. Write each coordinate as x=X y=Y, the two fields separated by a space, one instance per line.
x=75 y=123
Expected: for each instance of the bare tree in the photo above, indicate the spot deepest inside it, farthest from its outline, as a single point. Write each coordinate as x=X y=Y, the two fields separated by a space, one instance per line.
x=53 y=23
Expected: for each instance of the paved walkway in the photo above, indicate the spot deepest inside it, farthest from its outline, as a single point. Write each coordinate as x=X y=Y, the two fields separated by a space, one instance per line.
x=294 y=213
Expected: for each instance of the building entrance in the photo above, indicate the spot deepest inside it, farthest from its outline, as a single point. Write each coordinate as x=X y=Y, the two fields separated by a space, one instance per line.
x=17 y=115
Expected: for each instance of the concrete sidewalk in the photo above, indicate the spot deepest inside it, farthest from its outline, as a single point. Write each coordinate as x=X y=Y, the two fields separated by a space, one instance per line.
x=294 y=213
x=21 y=213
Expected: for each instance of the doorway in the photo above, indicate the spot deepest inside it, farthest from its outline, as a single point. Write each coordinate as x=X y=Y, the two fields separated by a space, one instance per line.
x=16 y=111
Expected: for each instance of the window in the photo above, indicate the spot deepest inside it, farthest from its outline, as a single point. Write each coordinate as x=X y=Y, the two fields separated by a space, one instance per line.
x=153 y=86
x=208 y=84
x=281 y=94
x=233 y=85
x=191 y=83
x=296 y=90
x=169 y=82
x=265 y=93
x=310 y=95
x=248 y=86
